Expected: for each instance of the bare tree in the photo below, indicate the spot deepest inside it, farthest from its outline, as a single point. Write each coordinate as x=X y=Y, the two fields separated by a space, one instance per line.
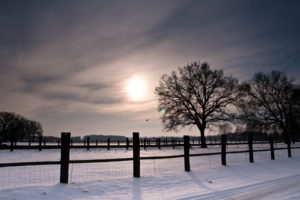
x=33 y=129
x=269 y=101
x=196 y=95
x=14 y=126
x=9 y=125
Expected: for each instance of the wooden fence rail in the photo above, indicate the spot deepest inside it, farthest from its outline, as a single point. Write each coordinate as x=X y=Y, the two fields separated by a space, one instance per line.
x=108 y=144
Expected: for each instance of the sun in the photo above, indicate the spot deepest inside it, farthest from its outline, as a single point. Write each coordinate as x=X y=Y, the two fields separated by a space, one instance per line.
x=136 y=88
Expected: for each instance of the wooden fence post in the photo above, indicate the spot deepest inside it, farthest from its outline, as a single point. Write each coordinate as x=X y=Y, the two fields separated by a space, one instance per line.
x=272 y=148
x=40 y=143
x=223 y=149
x=186 y=140
x=65 y=157
x=289 y=146
x=250 y=143
x=127 y=143
x=158 y=143
x=11 y=145
x=88 y=143
x=108 y=143
x=136 y=155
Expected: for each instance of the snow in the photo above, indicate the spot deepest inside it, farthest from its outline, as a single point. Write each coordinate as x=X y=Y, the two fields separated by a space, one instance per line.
x=160 y=179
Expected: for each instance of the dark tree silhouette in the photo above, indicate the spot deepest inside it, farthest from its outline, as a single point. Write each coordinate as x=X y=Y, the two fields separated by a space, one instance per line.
x=196 y=95
x=33 y=129
x=295 y=112
x=268 y=103
x=9 y=125
x=14 y=126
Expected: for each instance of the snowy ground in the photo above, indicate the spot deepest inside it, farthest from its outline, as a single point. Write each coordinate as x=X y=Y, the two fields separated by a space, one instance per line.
x=161 y=179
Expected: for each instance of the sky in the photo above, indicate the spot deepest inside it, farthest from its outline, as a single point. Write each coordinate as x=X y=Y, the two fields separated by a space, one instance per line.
x=69 y=64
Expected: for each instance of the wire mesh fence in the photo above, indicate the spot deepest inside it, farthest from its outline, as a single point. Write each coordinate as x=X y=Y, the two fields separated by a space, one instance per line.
x=84 y=172
x=155 y=167
x=29 y=176
x=209 y=161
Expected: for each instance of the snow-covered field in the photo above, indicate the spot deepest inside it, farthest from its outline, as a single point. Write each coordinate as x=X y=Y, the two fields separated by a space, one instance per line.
x=160 y=179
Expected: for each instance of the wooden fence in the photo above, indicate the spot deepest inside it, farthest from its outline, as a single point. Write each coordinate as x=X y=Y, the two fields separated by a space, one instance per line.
x=109 y=144
x=136 y=145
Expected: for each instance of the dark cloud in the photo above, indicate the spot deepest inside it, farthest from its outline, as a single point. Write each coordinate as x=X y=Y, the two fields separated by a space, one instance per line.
x=71 y=97
x=37 y=80
x=237 y=33
x=54 y=88
x=95 y=86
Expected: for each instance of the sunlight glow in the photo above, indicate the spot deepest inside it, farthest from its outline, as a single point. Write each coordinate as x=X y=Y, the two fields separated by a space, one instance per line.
x=163 y=111
x=136 y=89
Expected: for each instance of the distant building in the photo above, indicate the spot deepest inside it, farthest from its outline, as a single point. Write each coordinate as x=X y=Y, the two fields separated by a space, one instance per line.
x=102 y=138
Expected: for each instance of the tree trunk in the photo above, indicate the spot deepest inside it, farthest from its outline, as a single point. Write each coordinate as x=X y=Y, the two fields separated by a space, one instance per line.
x=286 y=135
x=203 y=141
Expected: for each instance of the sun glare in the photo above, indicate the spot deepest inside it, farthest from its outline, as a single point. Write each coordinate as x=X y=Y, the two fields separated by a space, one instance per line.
x=136 y=88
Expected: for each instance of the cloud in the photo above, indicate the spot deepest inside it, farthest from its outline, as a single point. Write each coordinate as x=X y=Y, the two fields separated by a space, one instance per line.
x=64 y=52
x=94 y=86
x=76 y=57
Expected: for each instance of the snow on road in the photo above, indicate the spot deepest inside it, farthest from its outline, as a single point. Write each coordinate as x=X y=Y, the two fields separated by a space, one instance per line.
x=282 y=188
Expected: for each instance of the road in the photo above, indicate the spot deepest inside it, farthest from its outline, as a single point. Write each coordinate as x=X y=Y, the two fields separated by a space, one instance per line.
x=287 y=188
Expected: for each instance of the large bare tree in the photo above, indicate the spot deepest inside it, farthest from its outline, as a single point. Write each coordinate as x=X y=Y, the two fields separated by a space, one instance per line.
x=196 y=95
x=269 y=101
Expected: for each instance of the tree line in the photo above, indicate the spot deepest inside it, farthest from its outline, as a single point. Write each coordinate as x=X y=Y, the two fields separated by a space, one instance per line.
x=196 y=95
x=16 y=127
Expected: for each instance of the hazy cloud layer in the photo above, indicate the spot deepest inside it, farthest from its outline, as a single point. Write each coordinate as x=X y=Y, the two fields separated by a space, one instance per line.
x=60 y=59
